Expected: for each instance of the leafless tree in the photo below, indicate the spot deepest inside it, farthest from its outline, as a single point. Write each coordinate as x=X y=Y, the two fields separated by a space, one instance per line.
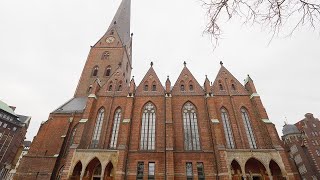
x=271 y=14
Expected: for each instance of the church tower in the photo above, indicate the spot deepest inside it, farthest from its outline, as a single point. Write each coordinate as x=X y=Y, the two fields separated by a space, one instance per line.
x=110 y=55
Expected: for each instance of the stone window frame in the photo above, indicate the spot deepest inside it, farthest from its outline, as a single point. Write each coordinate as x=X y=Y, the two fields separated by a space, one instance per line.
x=115 y=128
x=227 y=128
x=148 y=127
x=190 y=127
x=248 y=128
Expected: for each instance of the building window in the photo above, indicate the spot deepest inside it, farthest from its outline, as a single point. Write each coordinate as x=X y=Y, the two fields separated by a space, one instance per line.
x=248 y=128
x=146 y=87
x=233 y=87
x=189 y=171
x=110 y=87
x=14 y=129
x=227 y=129
x=140 y=169
x=220 y=85
x=190 y=87
x=97 y=129
x=302 y=169
x=148 y=130
x=190 y=126
x=105 y=55
x=182 y=87
x=154 y=86
x=72 y=136
x=200 y=170
x=151 y=171
x=0 y=123
x=298 y=159
x=115 y=129
x=120 y=86
x=108 y=71
x=293 y=149
x=5 y=125
x=318 y=152
x=95 y=71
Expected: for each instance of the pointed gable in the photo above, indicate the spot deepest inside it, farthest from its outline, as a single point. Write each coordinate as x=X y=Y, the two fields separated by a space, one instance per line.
x=116 y=85
x=186 y=84
x=226 y=84
x=150 y=84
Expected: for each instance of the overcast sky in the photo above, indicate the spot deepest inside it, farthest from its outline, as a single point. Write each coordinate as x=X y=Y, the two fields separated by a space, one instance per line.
x=44 y=45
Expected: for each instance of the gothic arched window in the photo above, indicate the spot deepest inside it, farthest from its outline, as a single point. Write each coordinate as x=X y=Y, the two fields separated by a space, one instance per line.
x=105 y=55
x=146 y=87
x=97 y=129
x=108 y=71
x=190 y=126
x=154 y=86
x=220 y=85
x=110 y=87
x=227 y=128
x=119 y=87
x=95 y=71
x=190 y=86
x=233 y=86
x=248 y=128
x=148 y=127
x=115 y=129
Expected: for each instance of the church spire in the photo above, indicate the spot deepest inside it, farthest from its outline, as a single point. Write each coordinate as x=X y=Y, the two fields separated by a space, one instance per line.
x=121 y=21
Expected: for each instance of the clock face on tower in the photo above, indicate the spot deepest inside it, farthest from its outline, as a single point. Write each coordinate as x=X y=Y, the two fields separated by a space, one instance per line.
x=110 y=39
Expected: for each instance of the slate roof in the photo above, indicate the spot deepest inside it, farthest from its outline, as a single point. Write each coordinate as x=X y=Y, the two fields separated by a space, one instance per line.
x=24 y=119
x=76 y=104
x=6 y=108
x=290 y=129
x=122 y=19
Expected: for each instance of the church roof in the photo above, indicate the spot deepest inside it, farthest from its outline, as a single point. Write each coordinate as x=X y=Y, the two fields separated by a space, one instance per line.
x=77 y=104
x=121 y=21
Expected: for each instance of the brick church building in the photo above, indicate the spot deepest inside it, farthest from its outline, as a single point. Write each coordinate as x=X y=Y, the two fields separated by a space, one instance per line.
x=114 y=128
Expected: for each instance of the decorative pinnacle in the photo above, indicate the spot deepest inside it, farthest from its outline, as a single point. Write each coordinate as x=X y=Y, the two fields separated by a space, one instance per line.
x=131 y=34
x=184 y=63
x=151 y=64
x=221 y=63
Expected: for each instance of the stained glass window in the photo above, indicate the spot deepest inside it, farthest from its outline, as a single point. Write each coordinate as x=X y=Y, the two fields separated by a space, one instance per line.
x=190 y=126
x=148 y=131
x=248 y=128
x=227 y=128
x=97 y=129
x=200 y=170
x=115 y=129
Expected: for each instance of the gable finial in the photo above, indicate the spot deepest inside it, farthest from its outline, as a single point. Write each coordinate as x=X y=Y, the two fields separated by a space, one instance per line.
x=151 y=64
x=221 y=63
x=184 y=63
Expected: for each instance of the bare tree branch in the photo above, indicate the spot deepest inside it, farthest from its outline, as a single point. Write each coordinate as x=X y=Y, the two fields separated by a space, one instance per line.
x=270 y=14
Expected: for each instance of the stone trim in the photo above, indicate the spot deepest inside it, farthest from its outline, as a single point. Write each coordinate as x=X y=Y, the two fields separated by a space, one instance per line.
x=266 y=121
x=83 y=120
x=215 y=121
x=126 y=120
x=63 y=136
x=254 y=95
x=92 y=96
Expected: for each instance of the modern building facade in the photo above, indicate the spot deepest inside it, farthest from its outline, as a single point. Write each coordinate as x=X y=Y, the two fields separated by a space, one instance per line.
x=115 y=129
x=13 y=128
x=302 y=141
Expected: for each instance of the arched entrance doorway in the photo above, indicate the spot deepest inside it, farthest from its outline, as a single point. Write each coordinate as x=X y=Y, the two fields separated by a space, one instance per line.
x=93 y=170
x=76 y=171
x=236 y=172
x=255 y=170
x=275 y=171
x=109 y=172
